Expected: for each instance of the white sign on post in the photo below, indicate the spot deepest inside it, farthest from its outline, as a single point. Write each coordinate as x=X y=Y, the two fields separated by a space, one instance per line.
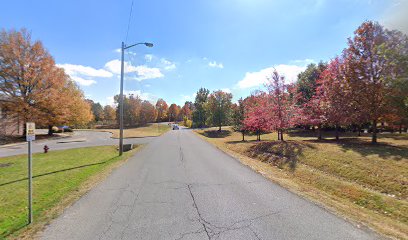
x=30 y=136
x=30 y=131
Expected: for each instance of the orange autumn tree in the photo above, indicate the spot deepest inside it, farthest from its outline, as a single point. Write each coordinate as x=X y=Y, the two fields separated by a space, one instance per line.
x=79 y=110
x=148 y=113
x=162 y=108
x=173 y=112
x=376 y=58
x=186 y=110
x=109 y=114
x=33 y=88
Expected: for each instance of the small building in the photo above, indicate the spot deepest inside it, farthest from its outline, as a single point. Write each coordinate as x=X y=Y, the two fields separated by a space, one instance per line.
x=10 y=124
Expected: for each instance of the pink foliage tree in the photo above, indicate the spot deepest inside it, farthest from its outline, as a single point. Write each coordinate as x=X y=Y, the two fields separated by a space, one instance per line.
x=256 y=117
x=280 y=105
x=312 y=113
x=333 y=96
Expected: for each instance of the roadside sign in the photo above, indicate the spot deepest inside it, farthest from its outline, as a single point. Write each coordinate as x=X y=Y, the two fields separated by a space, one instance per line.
x=30 y=136
x=30 y=131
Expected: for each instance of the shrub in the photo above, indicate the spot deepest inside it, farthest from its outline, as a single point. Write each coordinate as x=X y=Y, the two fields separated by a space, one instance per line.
x=187 y=123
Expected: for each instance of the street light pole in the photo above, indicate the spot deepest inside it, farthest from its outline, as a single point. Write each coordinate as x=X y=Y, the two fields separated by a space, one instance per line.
x=121 y=101
x=122 y=70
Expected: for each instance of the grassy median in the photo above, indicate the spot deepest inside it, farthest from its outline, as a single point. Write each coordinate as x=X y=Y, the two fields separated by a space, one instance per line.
x=60 y=177
x=352 y=177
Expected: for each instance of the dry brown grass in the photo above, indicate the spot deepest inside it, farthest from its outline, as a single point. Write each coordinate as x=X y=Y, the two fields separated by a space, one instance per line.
x=353 y=178
x=151 y=130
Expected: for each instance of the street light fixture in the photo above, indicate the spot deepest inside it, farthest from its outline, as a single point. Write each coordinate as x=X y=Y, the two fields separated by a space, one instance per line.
x=124 y=47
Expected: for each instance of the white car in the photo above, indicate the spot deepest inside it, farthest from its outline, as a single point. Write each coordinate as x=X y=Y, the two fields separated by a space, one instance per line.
x=175 y=127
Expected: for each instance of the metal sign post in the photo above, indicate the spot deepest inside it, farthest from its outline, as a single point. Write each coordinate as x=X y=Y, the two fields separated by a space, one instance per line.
x=30 y=136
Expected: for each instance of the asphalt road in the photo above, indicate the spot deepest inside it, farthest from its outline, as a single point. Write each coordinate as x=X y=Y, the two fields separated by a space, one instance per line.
x=180 y=187
x=79 y=139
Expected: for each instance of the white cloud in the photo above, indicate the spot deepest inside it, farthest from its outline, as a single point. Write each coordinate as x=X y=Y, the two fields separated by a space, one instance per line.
x=290 y=72
x=82 y=74
x=75 y=70
x=254 y=79
x=227 y=90
x=83 y=82
x=143 y=95
x=168 y=65
x=214 y=64
x=396 y=16
x=110 y=100
x=303 y=62
x=130 y=53
x=185 y=98
x=142 y=72
x=114 y=66
x=149 y=57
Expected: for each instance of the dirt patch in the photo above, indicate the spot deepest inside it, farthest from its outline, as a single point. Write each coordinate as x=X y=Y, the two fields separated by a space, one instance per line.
x=4 y=165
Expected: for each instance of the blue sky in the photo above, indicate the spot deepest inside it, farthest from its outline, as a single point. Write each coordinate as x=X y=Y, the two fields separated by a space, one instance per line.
x=217 y=44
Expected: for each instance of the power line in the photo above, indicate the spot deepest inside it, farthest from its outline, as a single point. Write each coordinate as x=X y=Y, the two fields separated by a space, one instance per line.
x=130 y=18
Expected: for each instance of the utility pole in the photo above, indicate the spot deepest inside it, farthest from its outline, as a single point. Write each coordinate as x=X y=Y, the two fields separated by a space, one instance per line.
x=121 y=100
x=122 y=71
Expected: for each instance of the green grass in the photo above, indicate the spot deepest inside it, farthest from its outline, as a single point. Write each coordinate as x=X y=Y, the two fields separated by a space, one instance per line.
x=58 y=176
x=362 y=181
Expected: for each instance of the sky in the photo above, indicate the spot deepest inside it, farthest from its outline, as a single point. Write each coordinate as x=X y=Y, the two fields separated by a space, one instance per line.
x=229 y=45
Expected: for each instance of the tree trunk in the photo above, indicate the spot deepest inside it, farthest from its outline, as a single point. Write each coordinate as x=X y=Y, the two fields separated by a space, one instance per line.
x=337 y=133
x=18 y=124
x=281 y=137
x=243 y=136
x=400 y=128
x=359 y=130
x=374 y=137
x=24 y=129
x=50 y=130
x=219 y=121
x=219 y=128
x=319 y=132
x=278 y=135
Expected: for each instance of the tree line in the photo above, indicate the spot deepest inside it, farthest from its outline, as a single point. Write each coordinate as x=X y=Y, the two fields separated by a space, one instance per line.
x=138 y=112
x=366 y=85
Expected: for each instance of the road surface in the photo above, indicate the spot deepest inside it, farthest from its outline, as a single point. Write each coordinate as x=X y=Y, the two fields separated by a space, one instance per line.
x=79 y=139
x=180 y=187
